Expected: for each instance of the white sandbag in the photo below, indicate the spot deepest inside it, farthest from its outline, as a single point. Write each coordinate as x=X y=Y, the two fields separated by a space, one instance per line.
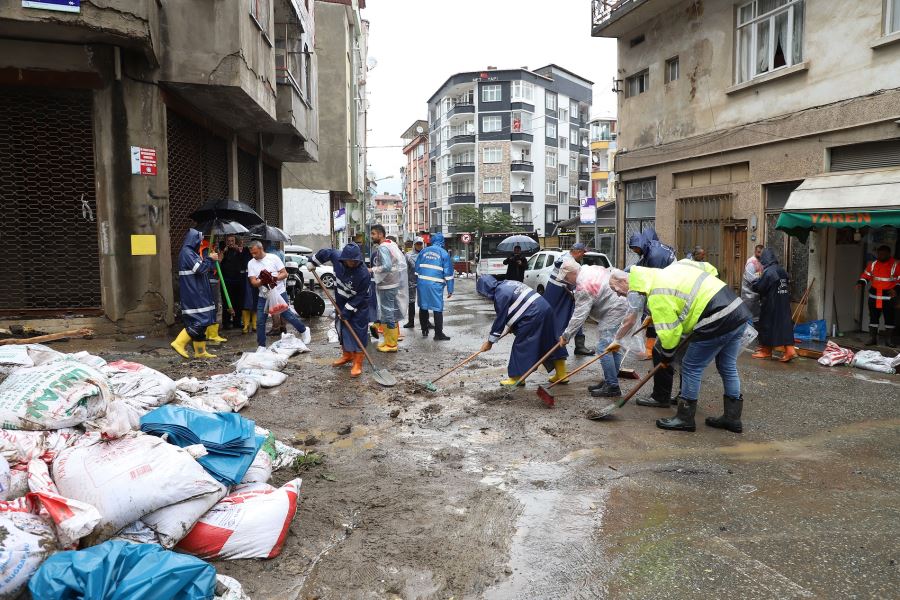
x=140 y=386
x=261 y=359
x=201 y=403
x=251 y=522
x=18 y=484
x=60 y=394
x=872 y=360
x=88 y=359
x=129 y=477
x=5 y=479
x=289 y=345
x=120 y=419
x=19 y=447
x=229 y=588
x=284 y=455
x=265 y=377
x=17 y=356
x=137 y=533
x=27 y=540
x=190 y=385
x=260 y=470
x=172 y=523
x=230 y=381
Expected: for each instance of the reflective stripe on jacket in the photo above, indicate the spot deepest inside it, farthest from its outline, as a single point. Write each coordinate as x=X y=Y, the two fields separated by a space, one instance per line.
x=882 y=277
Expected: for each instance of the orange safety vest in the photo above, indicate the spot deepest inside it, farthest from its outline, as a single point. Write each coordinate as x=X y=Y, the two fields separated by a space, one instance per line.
x=882 y=277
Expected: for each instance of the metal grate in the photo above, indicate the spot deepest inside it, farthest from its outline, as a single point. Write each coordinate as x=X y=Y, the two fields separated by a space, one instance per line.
x=869 y=155
x=247 y=178
x=272 y=195
x=49 y=207
x=633 y=226
x=700 y=222
x=198 y=171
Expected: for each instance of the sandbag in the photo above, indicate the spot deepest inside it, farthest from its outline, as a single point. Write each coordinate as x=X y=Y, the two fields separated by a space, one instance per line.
x=18 y=484
x=872 y=360
x=137 y=533
x=251 y=522
x=266 y=377
x=87 y=358
x=229 y=588
x=260 y=470
x=129 y=477
x=26 y=540
x=59 y=394
x=138 y=385
x=19 y=447
x=261 y=359
x=6 y=478
x=119 y=570
x=834 y=355
x=17 y=356
x=171 y=524
x=289 y=345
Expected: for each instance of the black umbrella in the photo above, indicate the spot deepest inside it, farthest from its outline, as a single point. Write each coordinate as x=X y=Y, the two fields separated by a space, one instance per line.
x=222 y=227
x=231 y=210
x=523 y=241
x=270 y=233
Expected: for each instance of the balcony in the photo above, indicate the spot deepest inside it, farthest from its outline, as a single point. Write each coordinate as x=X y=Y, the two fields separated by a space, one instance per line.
x=432 y=178
x=521 y=196
x=461 y=109
x=613 y=18
x=461 y=168
x=522 y=166
x=462 y=198
x=584 y=176
x=521 y=137
x=468 y=138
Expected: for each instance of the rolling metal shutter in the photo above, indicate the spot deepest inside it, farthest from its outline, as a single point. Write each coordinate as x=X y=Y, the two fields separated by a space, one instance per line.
x=272 y=195
x=870 y=155
x=247 y=178
x=49 y=206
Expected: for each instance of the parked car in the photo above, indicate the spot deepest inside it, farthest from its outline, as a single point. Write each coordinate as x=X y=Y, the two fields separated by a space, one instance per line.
x=300 y=255
x=540 y=265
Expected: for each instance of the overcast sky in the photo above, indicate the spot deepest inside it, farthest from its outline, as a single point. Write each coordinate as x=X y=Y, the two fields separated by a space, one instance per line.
x=420 y=43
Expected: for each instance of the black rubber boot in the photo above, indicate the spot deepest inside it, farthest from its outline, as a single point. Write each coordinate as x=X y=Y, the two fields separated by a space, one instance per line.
x=607 y=391
x=654 y=403
x=412 y=316
x=597 y=386
x=580 y=348
x=873 y=336
x=893 y=340
x=683 y=419
x=423 y=322
x=731 y=420
x=439 y=327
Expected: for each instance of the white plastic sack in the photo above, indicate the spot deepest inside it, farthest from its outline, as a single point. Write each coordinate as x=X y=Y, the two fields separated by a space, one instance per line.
x=289 y=345
x=285 y=455
x=251 y=522
x=60 y=394
x=5 y=479
x=204 y=403
x=229 y=588
x=19 y=447
x=28 y=539
x=88 y=359
x=872 y=360
x=17 y=356
x=265 y=377
x=261 y=359
x=129 y=477
x=140 y=386
x=190 y=385
x=73 y=519
x=137 y=533
x=18 y=483
x=260 y=470
x=120 y=419
x=834 y=355
x=230 y=381
x=172 y=523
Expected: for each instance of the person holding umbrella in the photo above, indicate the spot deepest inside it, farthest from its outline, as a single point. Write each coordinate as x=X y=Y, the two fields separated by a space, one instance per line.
x=198 y=309
x=515 y=265
x=234 y=271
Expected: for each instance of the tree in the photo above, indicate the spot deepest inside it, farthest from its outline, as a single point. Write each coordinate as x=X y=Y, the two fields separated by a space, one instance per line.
x=471 y=219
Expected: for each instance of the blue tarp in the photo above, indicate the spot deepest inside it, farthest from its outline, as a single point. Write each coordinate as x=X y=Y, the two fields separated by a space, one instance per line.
x=228 y=437
x=118 y=570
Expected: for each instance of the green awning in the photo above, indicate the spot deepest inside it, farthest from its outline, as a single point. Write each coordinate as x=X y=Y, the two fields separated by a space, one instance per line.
x=799 y=224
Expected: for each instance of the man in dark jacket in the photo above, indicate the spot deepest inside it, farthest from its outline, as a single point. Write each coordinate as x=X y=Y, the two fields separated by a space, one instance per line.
x=776 y=328
x=198 y=308
x=234 y=272
x=515 y=270
x=655 y=255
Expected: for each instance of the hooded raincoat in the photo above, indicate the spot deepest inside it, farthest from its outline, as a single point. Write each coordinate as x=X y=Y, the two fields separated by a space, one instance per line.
x=775 y=325
x=654 y=254
x=530 y=319
x=389 y=273
x=198 y=308
x=752 y=271
x=434 y=271
x=351 y=293
x=560 y=295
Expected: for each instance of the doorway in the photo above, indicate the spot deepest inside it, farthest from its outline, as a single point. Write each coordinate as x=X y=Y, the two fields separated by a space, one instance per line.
x=734 y=254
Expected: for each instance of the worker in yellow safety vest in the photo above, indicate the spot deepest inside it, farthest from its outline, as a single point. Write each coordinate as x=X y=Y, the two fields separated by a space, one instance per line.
x=685 y=301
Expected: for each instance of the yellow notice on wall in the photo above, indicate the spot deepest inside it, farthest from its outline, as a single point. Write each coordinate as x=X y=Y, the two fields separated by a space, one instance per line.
x=143 y=245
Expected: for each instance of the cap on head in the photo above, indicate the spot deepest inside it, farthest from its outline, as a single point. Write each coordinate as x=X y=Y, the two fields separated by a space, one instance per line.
x=579 y=246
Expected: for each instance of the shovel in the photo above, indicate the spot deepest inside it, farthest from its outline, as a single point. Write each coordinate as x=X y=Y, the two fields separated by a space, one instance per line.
x=548 y=398
x=381 y=376
x=542 y=360
x=430 y=385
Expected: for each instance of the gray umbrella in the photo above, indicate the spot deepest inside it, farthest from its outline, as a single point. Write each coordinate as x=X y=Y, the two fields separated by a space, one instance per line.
x=270 y=233
x=222 y=227
x=523 y=241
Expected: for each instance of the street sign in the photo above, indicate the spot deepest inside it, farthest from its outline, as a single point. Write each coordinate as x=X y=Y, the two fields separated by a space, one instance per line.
x=143 y=161
x=466 y=238
x=72 y=6
x=588 y=211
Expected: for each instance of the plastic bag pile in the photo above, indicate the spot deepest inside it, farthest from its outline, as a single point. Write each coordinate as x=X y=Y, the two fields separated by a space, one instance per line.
x=107 y=467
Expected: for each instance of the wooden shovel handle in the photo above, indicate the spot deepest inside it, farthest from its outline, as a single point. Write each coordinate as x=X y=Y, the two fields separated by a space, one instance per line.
x=539 y=362
x=343 y=320
x=463 y=363
x=641 y=383
x=585 y=365
x=72 y=333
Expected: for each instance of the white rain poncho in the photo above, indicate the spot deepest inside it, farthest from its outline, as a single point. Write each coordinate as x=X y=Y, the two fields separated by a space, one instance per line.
x=594 y=298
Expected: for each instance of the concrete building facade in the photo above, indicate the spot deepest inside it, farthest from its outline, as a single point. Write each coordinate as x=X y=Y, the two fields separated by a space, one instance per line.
x=514 y=141
x=416 y=176
x=389 y=213
x=725 y=108
x=120 y=119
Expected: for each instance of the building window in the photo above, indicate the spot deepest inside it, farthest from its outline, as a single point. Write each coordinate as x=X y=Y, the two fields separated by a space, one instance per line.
x=601 y=131
x=769 y=36
x=573 y=109
x=492 y=185
x=523 y=91
x=491 y=155
x=491 y=124
x=563 y=198
x=550 y=130
x=550 y=215
x=551 y=158
x=490 y=93
x=638 y=83
x=563 y=170
x=563 y=142
x=573 y=138
x=672 y=71
x=563 y=114
x=892 y=17
x=521 y=122
x=573 y=190
x=259 y=10
x=551 y=188
x=573 y=163
x=550 y=100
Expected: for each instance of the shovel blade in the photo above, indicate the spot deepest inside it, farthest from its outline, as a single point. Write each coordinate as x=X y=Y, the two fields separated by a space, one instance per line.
x=384 y=377
x=546 y=397
x=429 y=386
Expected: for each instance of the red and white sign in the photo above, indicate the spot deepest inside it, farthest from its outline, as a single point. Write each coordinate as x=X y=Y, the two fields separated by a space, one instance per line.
x=466 y=238
x=143 y=161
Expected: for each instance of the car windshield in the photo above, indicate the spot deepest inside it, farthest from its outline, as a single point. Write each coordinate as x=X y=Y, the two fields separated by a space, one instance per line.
x=595 y=259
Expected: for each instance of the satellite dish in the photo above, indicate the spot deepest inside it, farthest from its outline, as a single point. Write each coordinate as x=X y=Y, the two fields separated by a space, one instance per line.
x=354 y=214
x=420 y=129
x=371 y=63
x=470 y=127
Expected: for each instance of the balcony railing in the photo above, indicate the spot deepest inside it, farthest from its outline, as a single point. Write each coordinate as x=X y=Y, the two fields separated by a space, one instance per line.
x=522 y=166
x=461 y=168
x=521 y=196
x=602 y=10
x=462 y=198
x=461 y=109
x=584 y=176
x=521 y=137
x=468 y=138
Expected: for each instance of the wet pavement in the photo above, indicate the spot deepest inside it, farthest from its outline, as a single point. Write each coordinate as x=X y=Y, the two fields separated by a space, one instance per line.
x=478 y=492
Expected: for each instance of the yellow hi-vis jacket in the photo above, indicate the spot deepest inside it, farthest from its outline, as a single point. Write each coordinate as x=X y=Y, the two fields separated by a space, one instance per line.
x=676 y=298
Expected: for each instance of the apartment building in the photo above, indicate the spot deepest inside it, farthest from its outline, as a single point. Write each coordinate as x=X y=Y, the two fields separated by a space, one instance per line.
x=738 y=118
x=417 y=173
x=120 y=118
x=389 y=213
x=510 y=140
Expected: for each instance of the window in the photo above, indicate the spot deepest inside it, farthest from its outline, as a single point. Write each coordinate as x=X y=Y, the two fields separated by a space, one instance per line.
x=892 y=17
x=769 y=36
x=523 y=91
x=491 y=124
x=259 y=10
x=551 y=188
x=563 y=114
x=491 y=155
x=640 y=199
x=492 y=185
x=601 y=131
x=521 y=122
x=672 y=70
x=573 y=190
x=550 y=100
x=550 y=214
x=550 y=130
x=573 y=109
x=551 y=158
x=563 y=198
x=490 y=93
x=563 y=170
x=638 y=83
x=563 y=142
x=573 y=138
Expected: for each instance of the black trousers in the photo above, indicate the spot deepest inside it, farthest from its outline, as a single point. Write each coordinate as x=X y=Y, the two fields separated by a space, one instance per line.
x=888 y=309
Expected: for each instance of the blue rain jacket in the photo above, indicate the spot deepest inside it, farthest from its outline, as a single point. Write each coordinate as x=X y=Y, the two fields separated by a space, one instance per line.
x=434 y=271
x=530 y=319
x=559 y=295
x=654 y=254
x=352 y=293
x=198 y=308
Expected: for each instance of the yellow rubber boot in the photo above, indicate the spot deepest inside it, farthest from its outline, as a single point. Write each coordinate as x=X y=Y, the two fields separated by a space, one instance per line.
x=245 y=320
x=346 y=358
x=200 y=351
x=179 y=344
x=356 y=369
x=253 y=319
x=212 y=334
x=390 y=340
x=560 y=367
x=510 y=382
